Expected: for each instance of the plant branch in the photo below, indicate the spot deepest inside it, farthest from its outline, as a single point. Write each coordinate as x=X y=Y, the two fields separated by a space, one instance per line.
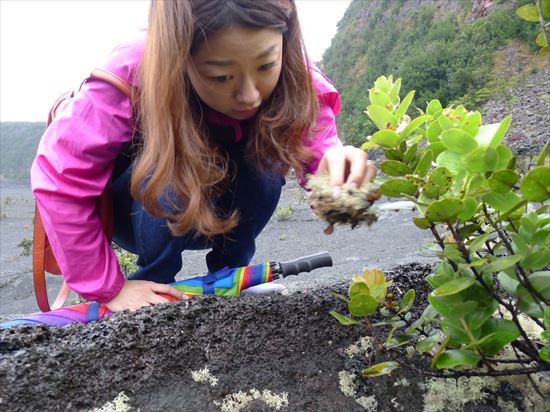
x=458 y=374
x=533 y=353
x=519 y=270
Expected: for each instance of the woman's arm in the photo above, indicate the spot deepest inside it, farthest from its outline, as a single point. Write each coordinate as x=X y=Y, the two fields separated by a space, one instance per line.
x=73 y=165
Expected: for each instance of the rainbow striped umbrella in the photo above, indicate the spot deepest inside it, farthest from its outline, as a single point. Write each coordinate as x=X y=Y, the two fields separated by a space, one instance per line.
x=226 y=282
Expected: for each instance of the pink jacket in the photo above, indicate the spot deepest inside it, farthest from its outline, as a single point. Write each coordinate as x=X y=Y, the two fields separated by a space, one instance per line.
x=75 y=161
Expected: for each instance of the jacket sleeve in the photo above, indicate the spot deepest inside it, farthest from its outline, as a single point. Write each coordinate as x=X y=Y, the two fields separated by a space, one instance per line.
x=73 y=165
x=325 y=133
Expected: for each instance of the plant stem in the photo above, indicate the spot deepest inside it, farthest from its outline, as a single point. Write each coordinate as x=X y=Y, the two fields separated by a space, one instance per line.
x=542 y=23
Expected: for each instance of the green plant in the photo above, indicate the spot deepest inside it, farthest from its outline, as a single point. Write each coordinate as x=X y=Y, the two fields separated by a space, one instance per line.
x=283 y=213
x=491 y=228
x=126 y=260
x=537 y=12
x=26 y=246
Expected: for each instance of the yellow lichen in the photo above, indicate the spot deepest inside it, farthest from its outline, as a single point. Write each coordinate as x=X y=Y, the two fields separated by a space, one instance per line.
x=360 y=347
x=234 y=402
x=119 y=404
x=368 y=402
x=204 y=376
x=452 y=394
x=347 y=383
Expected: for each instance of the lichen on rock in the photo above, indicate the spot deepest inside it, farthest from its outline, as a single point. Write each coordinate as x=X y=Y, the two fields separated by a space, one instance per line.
x=351 y=205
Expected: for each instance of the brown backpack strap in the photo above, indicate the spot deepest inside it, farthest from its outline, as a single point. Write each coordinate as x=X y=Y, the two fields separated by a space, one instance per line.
x=113 y=79
x=43 y=257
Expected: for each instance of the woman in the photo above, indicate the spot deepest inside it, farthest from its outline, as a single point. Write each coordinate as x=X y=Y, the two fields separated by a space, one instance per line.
x=225 y=103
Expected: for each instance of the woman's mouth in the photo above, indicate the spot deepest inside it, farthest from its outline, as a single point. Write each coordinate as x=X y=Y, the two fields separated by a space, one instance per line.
x=246 y=114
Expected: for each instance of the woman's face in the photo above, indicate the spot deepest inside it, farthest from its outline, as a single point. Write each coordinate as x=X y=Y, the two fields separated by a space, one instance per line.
x=237 y=69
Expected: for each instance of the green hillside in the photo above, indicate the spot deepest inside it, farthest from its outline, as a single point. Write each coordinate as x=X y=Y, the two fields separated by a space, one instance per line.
x=18 y=143
x=443 y=49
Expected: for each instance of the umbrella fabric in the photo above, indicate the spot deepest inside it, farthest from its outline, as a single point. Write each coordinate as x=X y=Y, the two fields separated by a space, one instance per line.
x=226 y=282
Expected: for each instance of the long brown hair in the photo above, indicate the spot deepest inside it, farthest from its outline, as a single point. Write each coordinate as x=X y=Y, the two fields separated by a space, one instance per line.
x=177 y=158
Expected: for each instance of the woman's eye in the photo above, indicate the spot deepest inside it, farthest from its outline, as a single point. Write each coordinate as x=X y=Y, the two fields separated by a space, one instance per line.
x=267 y=67
x=221 y=79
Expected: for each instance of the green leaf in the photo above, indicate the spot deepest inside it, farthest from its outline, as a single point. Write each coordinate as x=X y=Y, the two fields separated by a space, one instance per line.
x=383 y=83
x=436 y=148
x=471 y=123
x=503 y=202
x=433 y=132
x=394 y=93
x=535 y=186
x=452 y=253
x=468 y=230
x=543 y=154
x=445 y=210
x=407 y=301
x=529 y=12
x=421 y=222
x=413 y=125
x=536 y=260
x=451 y=160
x=503 y=181
x=458 y=141
x=454 y=286
x=501 y=331
x=395 y=168
x=508 y=283
x=358 y=288
x=383 y=368
x=433 y=107
x=386 y=138
x=340 y=297
x=344 y=320
x=424 y=164
x=410 y=154
x=545 y=5
x=502 y=128
x=540 y=282
x=456 y=357
x=502 y=263
x=544 y=353
x=478 y=242
x=402 y=109
x=439 y=182
x=382 y=117
x=504 y=156
x=427 y=344
x=470 y=208
x=485 y=134
x=395 y=187
x=380 y=98
x=541 y=40
x=393 y=154
x=362 y=305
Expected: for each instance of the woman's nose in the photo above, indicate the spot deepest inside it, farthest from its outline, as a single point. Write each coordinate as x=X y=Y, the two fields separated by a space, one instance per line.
x=248 y=94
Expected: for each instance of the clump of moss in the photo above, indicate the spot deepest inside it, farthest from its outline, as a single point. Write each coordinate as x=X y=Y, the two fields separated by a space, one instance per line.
x=351 y=205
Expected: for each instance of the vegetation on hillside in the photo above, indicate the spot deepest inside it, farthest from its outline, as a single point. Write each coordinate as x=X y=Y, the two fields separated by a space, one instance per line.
x=435 y=48
x=18 y=143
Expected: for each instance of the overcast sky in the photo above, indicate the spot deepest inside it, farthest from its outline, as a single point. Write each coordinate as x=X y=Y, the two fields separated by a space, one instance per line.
x=50 y=46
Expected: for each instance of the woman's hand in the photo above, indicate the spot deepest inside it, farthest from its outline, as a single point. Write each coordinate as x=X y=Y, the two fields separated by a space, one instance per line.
x=347 y=164
x=136 y=294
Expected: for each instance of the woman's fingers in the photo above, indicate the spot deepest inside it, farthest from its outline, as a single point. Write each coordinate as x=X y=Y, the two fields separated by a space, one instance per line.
x=169 y=290
x=347 y=164
x=358 y=166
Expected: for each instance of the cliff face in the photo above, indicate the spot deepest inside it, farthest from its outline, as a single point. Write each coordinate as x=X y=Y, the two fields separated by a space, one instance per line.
x=472 y=52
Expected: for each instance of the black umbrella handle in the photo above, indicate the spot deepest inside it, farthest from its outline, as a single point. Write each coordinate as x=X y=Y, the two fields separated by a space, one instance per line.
x=302 y=264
